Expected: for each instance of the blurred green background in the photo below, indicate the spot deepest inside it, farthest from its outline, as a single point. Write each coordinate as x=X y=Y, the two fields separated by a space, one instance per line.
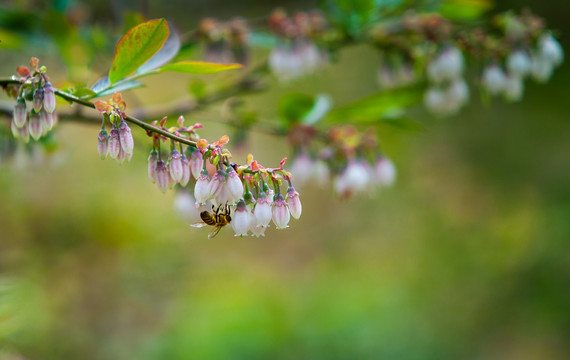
x=467 y=257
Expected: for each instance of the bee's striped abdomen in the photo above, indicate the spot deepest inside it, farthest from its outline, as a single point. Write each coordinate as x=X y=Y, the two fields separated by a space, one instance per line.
x=208 y=218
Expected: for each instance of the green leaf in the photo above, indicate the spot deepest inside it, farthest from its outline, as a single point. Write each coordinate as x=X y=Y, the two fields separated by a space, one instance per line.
x=84 y=93
x=378 y=107
x=293 y=107
x=464 y=9
x=126 y=85
x=199 y=67
x=164 y=55
x=137 y=46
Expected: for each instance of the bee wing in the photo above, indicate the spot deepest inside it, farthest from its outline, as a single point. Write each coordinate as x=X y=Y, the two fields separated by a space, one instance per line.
x=199 y=224
x=215 y=232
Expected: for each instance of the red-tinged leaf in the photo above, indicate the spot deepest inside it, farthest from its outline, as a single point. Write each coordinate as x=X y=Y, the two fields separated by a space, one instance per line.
x=116 y=97
x=23 y=71
x=199 y=67
x=101 y=106
x=180 y=121
x=202 y=145
x=224 y=140
x=122 y=105
x=282 y=162
x=163 y=121
x=34 y=62
x=254 y=165
x=196 y=126
x=137 y=46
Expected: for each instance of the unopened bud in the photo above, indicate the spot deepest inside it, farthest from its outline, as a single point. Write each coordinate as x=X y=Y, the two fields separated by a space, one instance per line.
x=49 y=98
x=202 y=188
x=162 y=179
x=114 y=145
x=196 y=163
x=175 y=164
x=263 y=210
x=38 y=99
x=234 y=186
x=20 y=112
x=126 y=139
x=294 y=202
x=102 y=143
x=152 y=163
x=36 y=128
x=280 y=212
x=186 y=170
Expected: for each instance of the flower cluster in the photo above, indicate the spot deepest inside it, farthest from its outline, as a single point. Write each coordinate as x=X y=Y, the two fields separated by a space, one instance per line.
x=34 y=87
x=297 y=54
x=224 y=42
x=538 y=63
x=449 y=91
x=118 y=144
x=351 y=159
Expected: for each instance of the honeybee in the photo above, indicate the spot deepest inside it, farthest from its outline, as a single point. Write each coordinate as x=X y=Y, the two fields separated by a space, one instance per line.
x=219 y=218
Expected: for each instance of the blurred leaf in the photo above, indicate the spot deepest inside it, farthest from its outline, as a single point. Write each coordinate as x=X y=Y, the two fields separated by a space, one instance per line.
x=464 y=9
x=374 y=108
x=100 y=84
x=403 y=123
x=137 y=46
x=132 y=19
x=199 y=67
x=320 y=108
x=126 y=85
x=263 y=40
x=10 y=40
x=164 y=55
x=84 y=93
x=293 y=107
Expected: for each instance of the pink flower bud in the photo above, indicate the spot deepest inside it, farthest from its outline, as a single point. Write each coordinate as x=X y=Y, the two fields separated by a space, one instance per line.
x=38 y=99
x=102 y=143
x=122 y=155
x=196 y=163
x=263 y=211
x=22 y=133
x=175 y=164
x=114 y=145
x=384 y=172
x=152 y=163
x=294 y=203
x=185 y=170
x=36 y=128
x=280 y=213
x=234 y=186
x=202 y=188
x=47 y=119
x=49 y=98
x=241 y=219
x=20 y=113
x=162 y=179
x=126 y=138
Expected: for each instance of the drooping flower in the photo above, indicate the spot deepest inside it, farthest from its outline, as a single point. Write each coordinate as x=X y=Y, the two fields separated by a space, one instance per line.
x=20 y=112
x=448 y=65
x=152 y=163
x=202 y=188
x=126 y=139
x=49 y=98
x=102 y=143
x=384 y=172
x=262 y=210
x=541 y=68
x=280 y=212
x=234 y=186
x=518 y=63
x=162 y=179
x=494 y=79
x=355 y=178
x=184 y=206
x=36 y=126
x=241 y=219
x=196 y=163
x=175 y=164
x=302 y=169
x=256 y=229
x=114 y=145
x=217 y=189
x=294 y=202
x=185 y=169
x=550 y=49
x=38 y=99
x=514 y=88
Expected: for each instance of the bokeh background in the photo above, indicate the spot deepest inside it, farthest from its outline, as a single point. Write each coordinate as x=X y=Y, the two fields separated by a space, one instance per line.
x=467 y=257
